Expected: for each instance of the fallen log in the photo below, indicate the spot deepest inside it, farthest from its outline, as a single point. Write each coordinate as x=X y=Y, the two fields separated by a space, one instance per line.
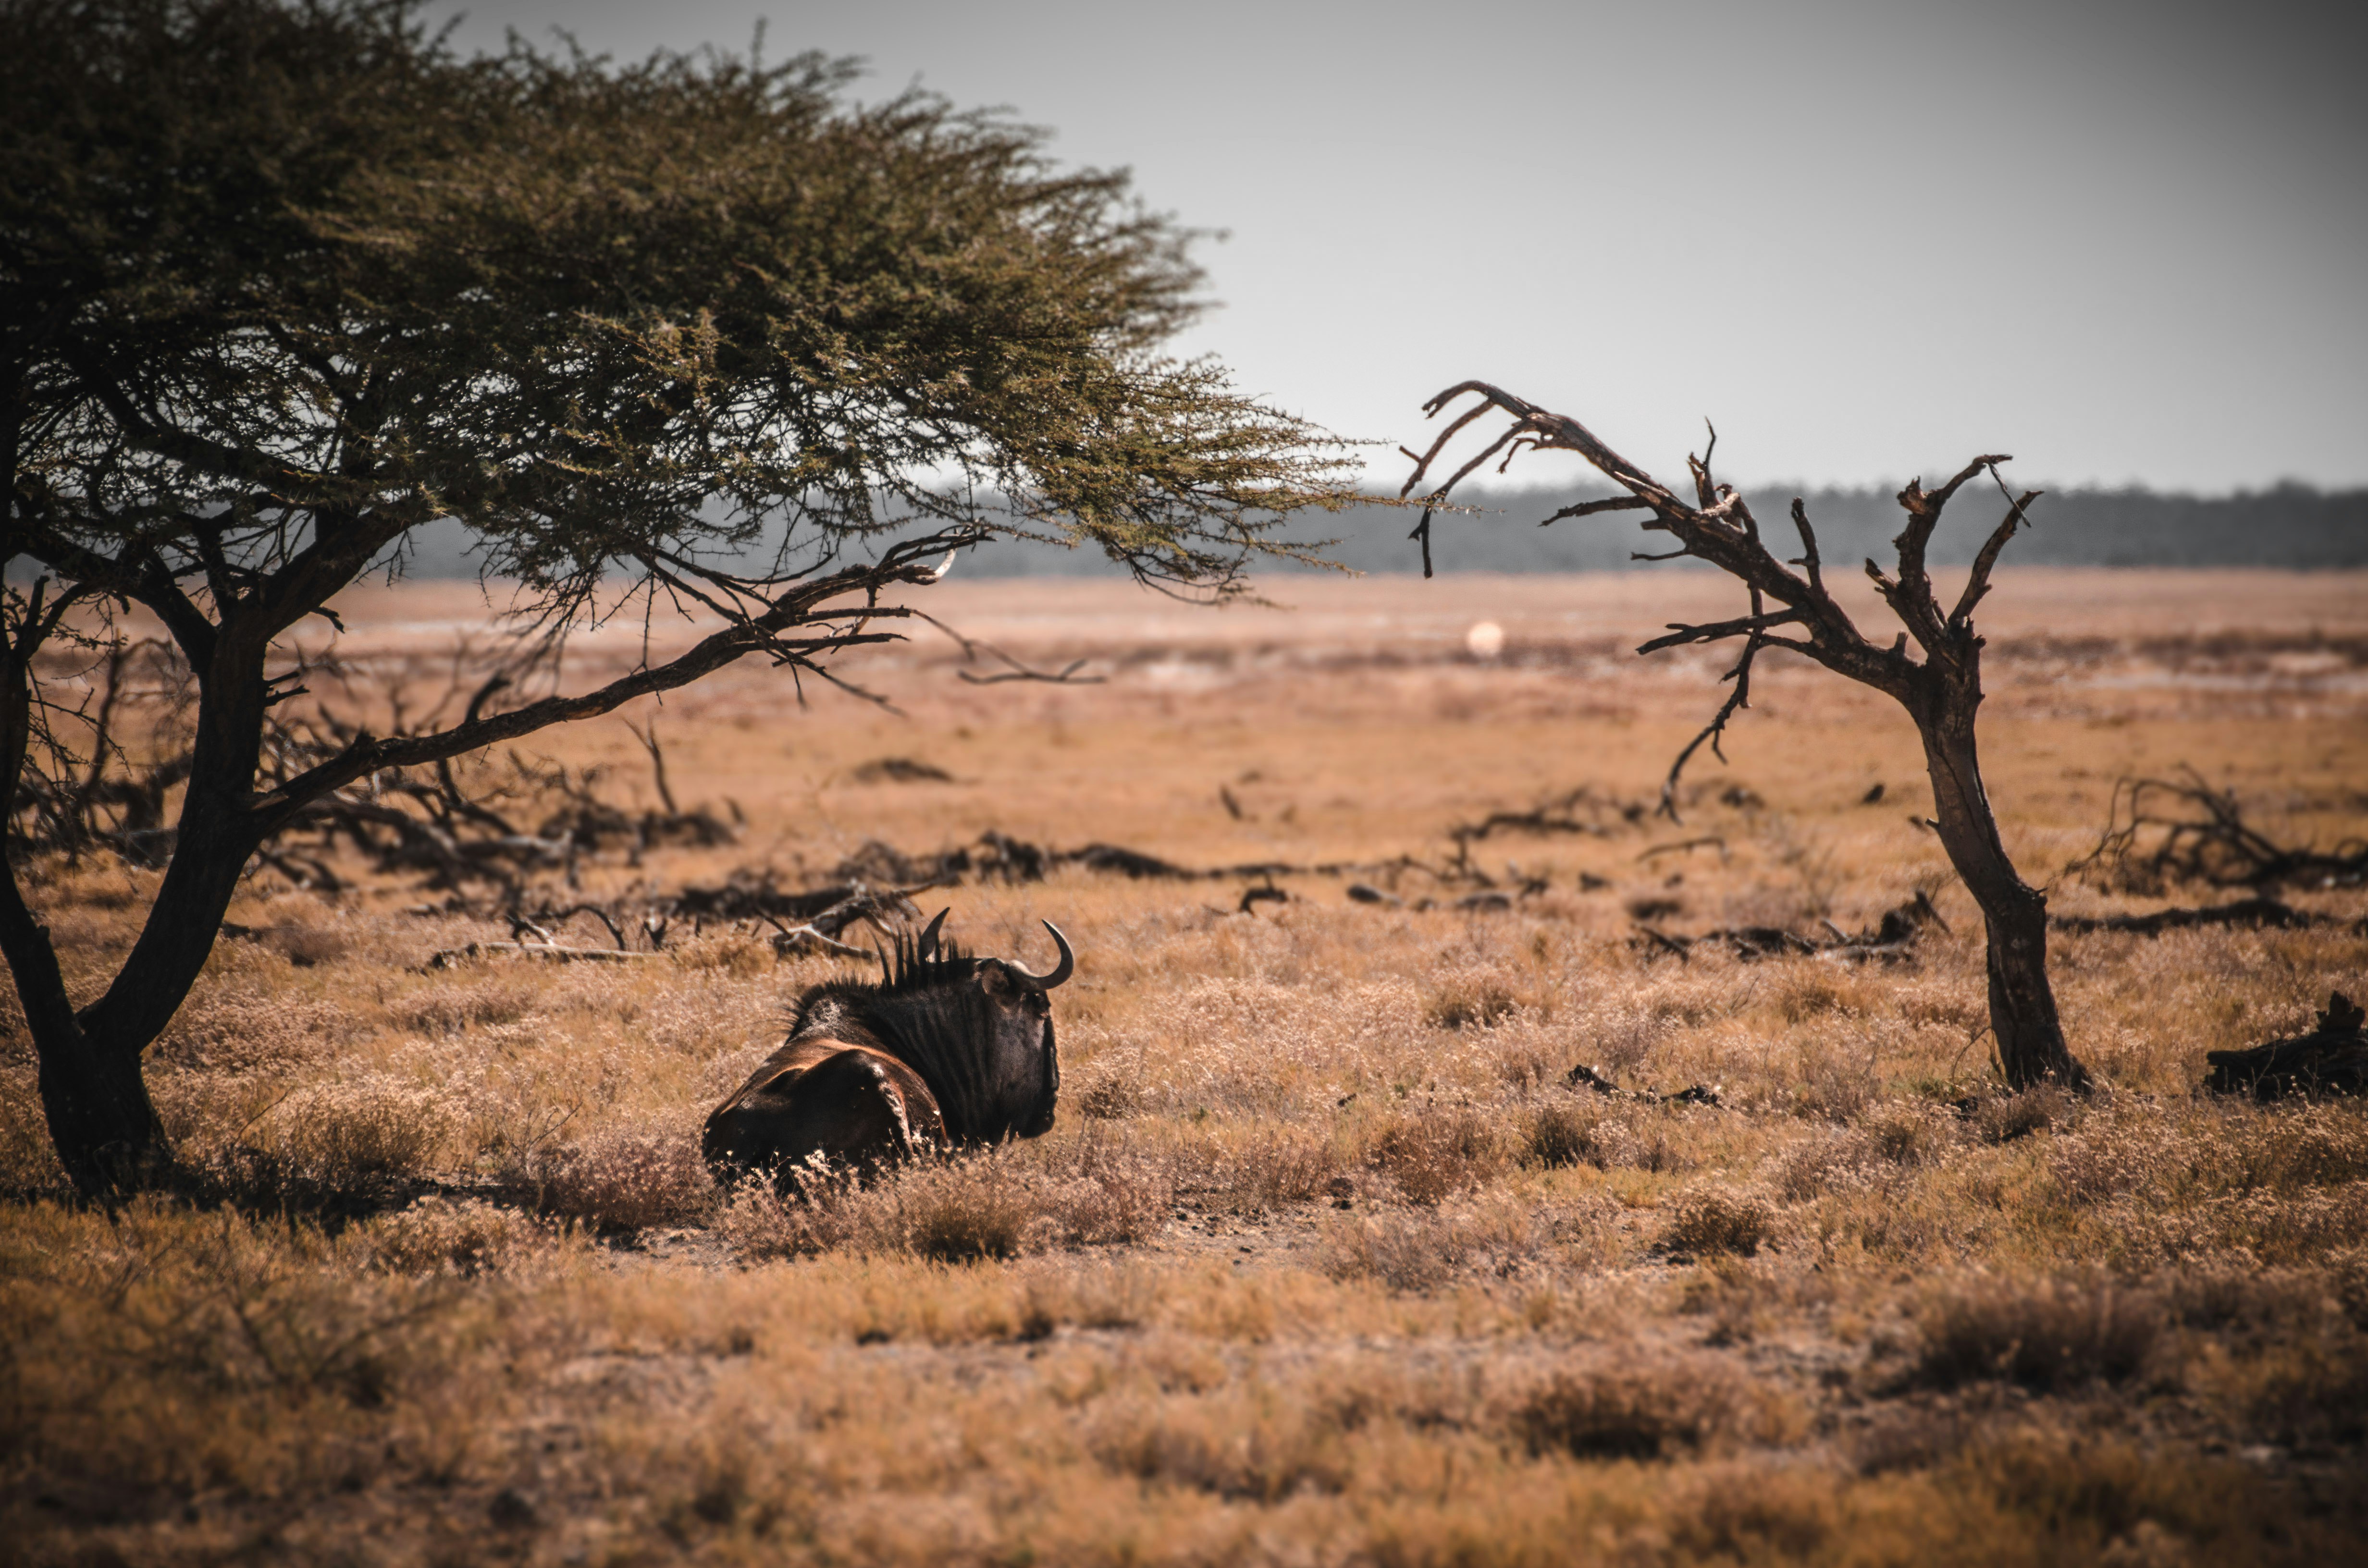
x=448 y=957
x=1893 y=938
x=2330 y=1059
x=2245 y=913
x=1585 y=1077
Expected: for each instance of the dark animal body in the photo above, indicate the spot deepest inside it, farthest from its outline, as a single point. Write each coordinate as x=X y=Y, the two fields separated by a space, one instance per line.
x=947 y=1050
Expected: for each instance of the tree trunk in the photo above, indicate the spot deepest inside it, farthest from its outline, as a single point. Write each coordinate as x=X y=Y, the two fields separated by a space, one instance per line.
x=2014 y=913
x=101 y=1119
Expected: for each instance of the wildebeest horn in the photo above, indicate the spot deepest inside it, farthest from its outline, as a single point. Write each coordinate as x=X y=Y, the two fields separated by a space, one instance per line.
x=1061 y=972
x=928 y=943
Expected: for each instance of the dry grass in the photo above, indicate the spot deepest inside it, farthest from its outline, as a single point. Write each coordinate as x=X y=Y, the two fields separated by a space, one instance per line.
x=2051 y=1335
x=1323 y=1262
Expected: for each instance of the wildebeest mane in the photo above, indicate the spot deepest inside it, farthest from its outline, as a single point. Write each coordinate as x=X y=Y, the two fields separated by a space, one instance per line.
x=927 y=1011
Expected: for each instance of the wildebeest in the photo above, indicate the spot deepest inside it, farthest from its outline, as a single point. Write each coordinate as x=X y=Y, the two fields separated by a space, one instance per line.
x=945 y=1050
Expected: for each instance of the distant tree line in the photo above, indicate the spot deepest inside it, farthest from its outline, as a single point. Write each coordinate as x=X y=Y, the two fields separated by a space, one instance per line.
x=2292 y=525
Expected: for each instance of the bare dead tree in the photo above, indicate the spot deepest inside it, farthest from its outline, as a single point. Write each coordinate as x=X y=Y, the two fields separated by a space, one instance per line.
x=1793 y=610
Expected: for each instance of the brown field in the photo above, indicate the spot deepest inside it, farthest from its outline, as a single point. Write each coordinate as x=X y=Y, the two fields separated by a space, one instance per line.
x=1324 y=1262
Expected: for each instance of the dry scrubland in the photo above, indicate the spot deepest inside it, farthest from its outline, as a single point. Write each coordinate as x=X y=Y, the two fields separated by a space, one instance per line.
x=1324 y=1262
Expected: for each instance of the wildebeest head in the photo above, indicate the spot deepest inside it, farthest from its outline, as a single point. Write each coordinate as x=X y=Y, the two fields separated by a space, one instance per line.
x=978 y=1029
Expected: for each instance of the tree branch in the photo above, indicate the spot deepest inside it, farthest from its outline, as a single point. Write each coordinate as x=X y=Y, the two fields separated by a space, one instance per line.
x=1715 y=631
x=1612 y=504
x=1977 y=581
x=759 y=634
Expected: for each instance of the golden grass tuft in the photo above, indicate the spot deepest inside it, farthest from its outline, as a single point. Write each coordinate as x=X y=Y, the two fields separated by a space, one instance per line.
x=2047 y=1335
x=1713 y=1221
x=1651 y=1409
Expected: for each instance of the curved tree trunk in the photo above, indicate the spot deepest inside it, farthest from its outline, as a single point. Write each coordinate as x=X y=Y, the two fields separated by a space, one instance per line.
x=2031 y=1046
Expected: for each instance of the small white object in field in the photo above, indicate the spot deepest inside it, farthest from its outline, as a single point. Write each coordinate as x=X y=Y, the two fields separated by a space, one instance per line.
x=1486 y=639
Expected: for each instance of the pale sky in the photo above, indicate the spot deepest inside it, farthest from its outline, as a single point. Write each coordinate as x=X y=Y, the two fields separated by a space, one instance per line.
x=2126 y=242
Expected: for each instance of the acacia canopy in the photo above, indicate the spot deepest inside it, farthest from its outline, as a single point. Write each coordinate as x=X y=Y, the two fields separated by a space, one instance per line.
x=281 y=283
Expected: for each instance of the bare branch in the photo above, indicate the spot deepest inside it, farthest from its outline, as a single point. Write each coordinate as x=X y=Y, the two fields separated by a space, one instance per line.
x=1809 y=546
x=758 y=634
x=1977 y=581
x=1737 y=700
x=971 y=648
x=1066 y=676
x=1715 y=631
x=1613 y=503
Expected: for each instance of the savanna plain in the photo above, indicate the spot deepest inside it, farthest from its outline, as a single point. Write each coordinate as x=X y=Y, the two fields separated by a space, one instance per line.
x=1328 y=1258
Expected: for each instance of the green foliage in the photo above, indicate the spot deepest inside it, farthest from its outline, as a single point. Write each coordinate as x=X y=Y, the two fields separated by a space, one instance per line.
x=285 y=281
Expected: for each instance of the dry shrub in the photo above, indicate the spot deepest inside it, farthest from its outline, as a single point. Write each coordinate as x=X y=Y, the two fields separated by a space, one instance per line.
x=760 y=1225
x=2310 y=1390
x=1277 y=1164
x=1468 y=1002
x=2300 y=1228
x=2347 y=1283
x=2135 y=1149
x=1910 y=1133
x=465 y=1237
x=1743 y=1511
x=1562 y=1133
x=1736 y=1296
x=2284 y=1150
x=449 y=1008
x=1586 y=1130
x=1252 y=1446
x=1416 y=1249
x=628 y=1179
x=960 y=1210
x=1902 y=1136
x=1433 y=1154
x=1831 y=1162
x=306 y=945
x=2111 y=1156
x=1108 y=1195
x=1090 y=1296
x=1620 y=1038
x=1649 y=1410
x=1807 y=991
x=1528 y=1058
x=246 y=1031
x=2044 y=1334
x=1105 y=1092
x=2074 y=1495
x=1835 y=1085
x=1714 y=1221
x=729 y=953
x=2002 y=1119
x=358 y=1134
x=174 y=1351
x=1910 y=1439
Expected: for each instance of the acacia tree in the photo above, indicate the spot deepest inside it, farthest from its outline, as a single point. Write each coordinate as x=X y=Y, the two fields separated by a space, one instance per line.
x=279 y=283
x=1793 y=610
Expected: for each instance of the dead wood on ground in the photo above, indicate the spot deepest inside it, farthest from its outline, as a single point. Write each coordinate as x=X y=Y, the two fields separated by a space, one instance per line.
x=2163 y=832
x=2330 y=1059
x=1891 y=939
